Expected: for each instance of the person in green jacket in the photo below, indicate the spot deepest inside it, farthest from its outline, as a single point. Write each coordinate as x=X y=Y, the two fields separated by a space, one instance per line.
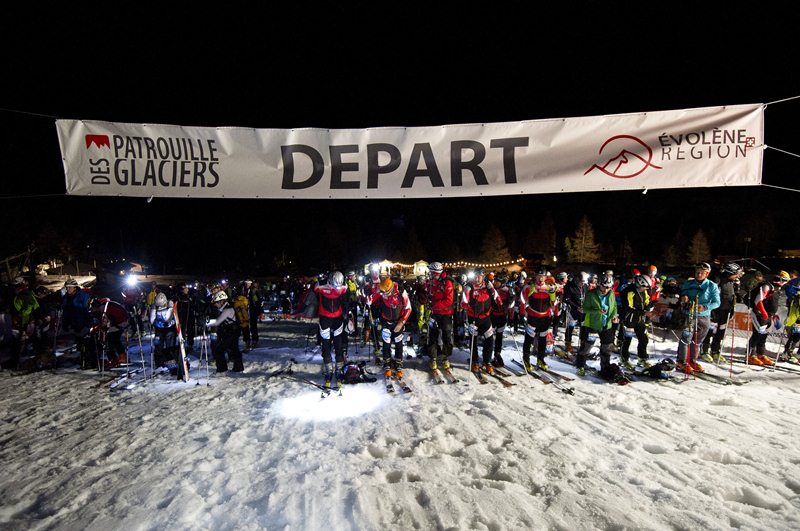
x=24 y=303
x=600 y=311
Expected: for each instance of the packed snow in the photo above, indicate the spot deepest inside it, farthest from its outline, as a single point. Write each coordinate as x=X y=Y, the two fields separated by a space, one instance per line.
x=248 y=451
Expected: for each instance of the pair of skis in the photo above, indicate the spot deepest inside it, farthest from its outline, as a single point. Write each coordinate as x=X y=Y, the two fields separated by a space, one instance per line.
x=392 y=381
x=549 y=376
x=441 y=377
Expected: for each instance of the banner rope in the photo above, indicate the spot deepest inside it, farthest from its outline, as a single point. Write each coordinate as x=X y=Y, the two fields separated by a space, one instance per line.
x=780 y=187
x=782 y=151
x=784 y=99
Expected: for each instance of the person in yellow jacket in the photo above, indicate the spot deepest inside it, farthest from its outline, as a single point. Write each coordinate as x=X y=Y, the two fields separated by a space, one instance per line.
x=792 y=329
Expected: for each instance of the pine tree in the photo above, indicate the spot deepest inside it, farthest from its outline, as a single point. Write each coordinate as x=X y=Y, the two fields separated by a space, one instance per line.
x=670 y=256
x=699 y=249
x=494 y=247
x=581 y=247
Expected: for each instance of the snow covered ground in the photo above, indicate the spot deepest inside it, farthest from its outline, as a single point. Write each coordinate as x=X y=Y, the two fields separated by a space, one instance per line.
x=246 y=452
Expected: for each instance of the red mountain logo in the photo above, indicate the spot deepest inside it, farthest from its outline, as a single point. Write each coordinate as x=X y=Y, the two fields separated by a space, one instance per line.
x=629 y=160
x=98 y=140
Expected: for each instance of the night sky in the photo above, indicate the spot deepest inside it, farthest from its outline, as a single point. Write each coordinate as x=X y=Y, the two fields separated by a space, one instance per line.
x=354 y=67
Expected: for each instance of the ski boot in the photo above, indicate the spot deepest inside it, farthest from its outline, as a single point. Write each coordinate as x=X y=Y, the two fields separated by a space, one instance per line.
x=338 y=374
x=327 y=369
x=542 y=365
x=476 y=367
x=644 y=364
x=526 y=362
x=684 y=367
x=627 y=364
x=696 y=367
x=765 y=360
x=488 y=368
x=498 y=361
x=581 y=372
x=718 y=358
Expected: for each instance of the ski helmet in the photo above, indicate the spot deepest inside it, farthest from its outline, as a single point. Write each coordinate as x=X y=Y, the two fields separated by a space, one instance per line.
x=19 y=281
x=490 y=276
x=703 y=265
x=435 y=267
x=642 y=282
x=336 y=279
x=606 y=282
x=71 y=283
x=161 y=301
x=501 y=277
x=584 y=277
x=219 y=296
x=562 y=277
x=386 y=285
x=784 y=276
x=731 y=268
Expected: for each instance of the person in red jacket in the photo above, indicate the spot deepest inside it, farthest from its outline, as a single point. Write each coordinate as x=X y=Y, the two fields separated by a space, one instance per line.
x=477 y=299
x=502 y=313
x=391 y=308
x=440 y=296
x=536 y=304
x=332 y=310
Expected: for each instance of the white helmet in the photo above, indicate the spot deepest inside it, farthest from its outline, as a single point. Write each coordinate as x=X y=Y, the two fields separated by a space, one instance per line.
x=337 y=279
x=219 y=296
x=71 y=283
x=435 y=267
x=161 y=301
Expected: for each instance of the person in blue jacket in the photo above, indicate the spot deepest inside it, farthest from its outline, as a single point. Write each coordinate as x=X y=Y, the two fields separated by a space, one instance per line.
x=699 y=296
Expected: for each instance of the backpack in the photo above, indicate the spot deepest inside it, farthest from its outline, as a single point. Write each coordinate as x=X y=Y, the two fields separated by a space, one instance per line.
x=353 y=373
x=241 y=308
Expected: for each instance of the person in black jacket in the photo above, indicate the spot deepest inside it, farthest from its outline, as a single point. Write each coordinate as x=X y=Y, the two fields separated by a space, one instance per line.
x=728 y=286
x=574 y=293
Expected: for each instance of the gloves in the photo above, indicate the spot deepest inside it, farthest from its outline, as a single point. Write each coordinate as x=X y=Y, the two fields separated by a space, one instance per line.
x=351 y=326
x=776 y=322
x=471 y=329
x=399 y=326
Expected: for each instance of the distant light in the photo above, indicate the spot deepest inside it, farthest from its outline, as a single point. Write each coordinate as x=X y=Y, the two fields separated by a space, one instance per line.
x=361 y=278
x=471 y=275
x=131 y=280
x=644 y=191
x=150 y=199
x=555 y=258
x=355 y=401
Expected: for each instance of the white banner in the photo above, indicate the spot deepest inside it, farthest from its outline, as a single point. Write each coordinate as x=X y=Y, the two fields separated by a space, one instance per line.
x=715 y=146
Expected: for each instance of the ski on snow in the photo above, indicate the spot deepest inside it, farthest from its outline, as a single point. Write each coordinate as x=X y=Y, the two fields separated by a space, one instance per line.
x=500 y=378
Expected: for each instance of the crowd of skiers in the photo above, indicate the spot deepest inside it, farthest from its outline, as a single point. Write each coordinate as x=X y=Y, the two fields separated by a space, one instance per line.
x=435 y=311
x=439 y=311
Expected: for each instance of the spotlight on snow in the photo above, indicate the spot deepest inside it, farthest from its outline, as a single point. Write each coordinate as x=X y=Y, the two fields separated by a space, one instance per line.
x=131 y=280
x=356 y=400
